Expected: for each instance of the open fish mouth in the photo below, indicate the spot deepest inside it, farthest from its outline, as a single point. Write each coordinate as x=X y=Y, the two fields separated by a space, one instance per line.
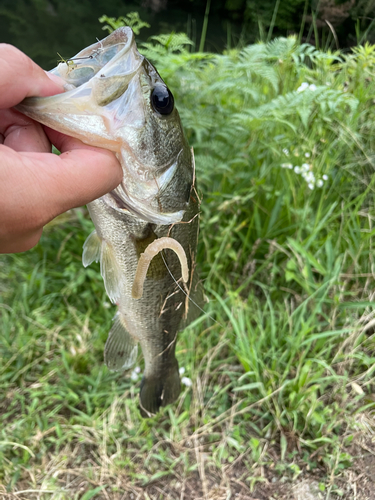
x=108 y=103
x=112 y=56
x=94 y=78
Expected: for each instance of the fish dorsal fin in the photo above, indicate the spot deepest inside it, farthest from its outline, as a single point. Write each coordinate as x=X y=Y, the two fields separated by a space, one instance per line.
x=121 y=349
x=91 y=249
x=110 y=272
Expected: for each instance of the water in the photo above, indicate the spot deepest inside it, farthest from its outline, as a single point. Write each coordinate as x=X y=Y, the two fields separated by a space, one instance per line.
x=43 y=28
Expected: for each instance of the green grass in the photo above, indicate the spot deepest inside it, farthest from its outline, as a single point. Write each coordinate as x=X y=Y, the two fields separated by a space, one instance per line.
x=282 y=363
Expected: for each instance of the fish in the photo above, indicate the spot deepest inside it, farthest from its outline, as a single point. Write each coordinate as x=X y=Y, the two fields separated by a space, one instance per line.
x=146 y=229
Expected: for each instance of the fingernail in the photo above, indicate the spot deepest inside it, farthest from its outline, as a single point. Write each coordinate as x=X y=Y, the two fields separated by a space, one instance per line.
x=57 y=79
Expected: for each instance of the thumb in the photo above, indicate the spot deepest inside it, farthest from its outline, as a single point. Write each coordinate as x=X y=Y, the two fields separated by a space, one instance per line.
x=79 y=175
x=36 y=187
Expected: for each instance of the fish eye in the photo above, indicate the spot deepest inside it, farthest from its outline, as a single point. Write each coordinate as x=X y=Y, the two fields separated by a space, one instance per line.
x=162 y=100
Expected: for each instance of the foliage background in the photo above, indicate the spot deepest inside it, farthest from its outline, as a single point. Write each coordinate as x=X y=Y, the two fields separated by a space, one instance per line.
x=41 y=28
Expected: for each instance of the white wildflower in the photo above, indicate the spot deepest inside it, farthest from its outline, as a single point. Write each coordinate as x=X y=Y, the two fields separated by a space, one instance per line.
x=186 y=381
x=286 y=165
x=307 y=155
x=135 y=373
x=286 y=151
x=312 y=87
x=320 y=183
x=311 y=185
x=303 y=86
x=290 y=166
x=181 y=370
x=305 y=167
x=325 y=177
x=297 y=170
x=309 y=177
x=106 y=305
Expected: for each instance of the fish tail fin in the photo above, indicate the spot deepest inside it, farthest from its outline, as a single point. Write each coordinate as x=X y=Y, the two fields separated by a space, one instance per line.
x=159 y=391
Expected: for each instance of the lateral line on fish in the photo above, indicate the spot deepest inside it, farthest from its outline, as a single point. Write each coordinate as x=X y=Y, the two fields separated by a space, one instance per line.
x=146 y=257
x=183 y=291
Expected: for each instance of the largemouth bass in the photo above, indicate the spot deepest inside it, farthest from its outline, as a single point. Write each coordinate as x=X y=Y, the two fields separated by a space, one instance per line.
x=116 y=99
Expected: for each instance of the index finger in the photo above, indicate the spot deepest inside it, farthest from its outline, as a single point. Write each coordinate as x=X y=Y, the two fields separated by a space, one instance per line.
x=20 y=77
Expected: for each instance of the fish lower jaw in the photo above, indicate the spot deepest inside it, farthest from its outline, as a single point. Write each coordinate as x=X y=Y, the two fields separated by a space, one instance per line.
x=141 y=210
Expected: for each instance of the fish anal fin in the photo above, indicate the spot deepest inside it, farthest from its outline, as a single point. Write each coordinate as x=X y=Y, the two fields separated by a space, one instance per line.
x=110 y=272
x=121 y=349
x=91 y=249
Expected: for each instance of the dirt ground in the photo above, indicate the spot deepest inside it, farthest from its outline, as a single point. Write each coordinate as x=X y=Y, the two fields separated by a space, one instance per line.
x=356 y=482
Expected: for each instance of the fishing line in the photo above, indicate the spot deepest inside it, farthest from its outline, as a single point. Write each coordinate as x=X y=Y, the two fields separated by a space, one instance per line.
x=183 y=291
x=72 y=59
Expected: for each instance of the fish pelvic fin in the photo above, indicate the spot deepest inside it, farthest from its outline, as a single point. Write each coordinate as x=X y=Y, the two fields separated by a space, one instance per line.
x=159 y=391
x=110 y=272
x=121 y=348
x=91 y=249
x=96 y=248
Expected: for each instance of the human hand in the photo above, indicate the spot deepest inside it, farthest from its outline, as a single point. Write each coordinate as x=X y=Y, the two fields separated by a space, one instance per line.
x=36 y=185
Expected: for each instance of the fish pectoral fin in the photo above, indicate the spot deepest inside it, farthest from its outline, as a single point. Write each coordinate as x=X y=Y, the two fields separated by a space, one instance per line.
x=91 y=249
x=110 y=272
x=96 y=248
x=121 y=349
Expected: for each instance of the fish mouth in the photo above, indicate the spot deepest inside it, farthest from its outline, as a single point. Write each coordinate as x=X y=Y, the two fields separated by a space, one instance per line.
x=102 y=92
x=98 y=73
x=94 y=78
x=107 y=56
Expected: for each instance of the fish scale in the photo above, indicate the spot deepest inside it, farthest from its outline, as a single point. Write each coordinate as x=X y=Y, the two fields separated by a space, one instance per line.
x=117 y=100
